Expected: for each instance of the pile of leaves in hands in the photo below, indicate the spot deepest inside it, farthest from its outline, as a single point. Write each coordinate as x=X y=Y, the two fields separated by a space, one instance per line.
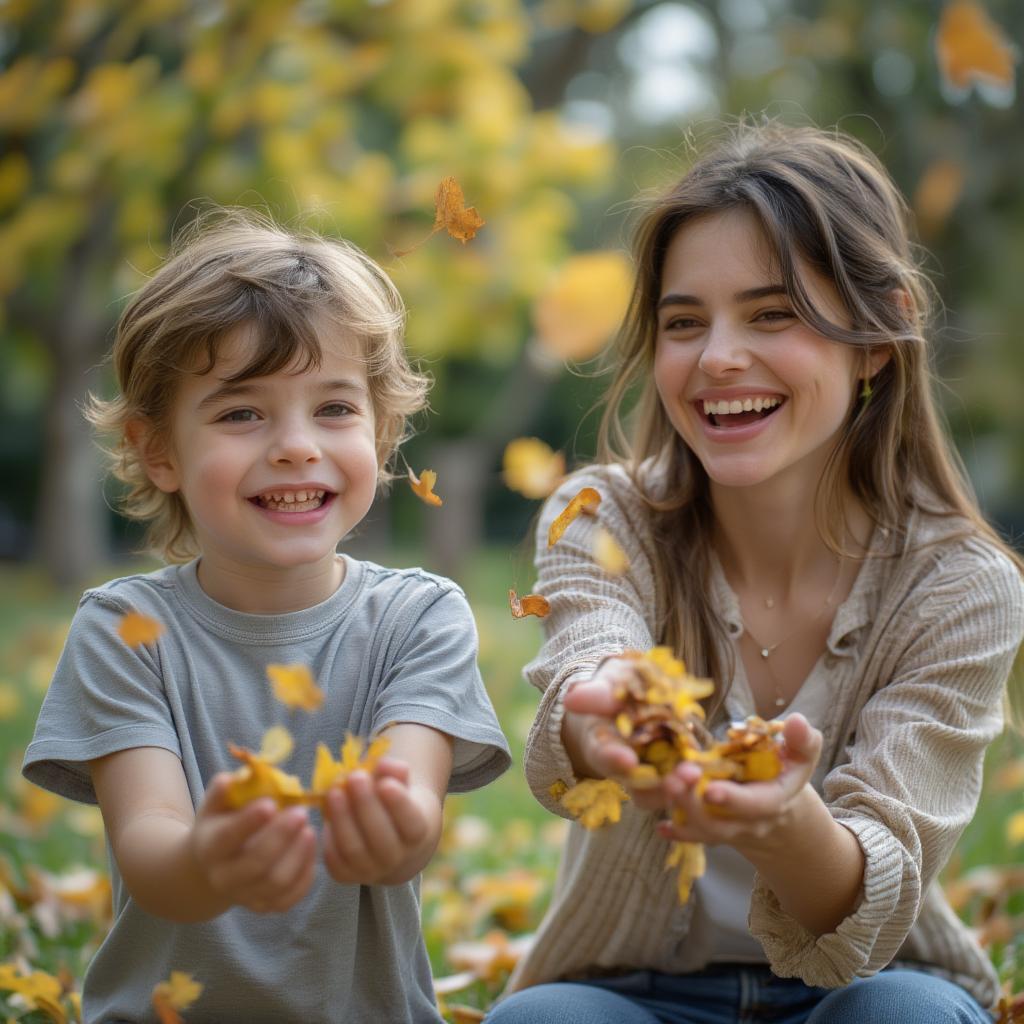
x=662 y=720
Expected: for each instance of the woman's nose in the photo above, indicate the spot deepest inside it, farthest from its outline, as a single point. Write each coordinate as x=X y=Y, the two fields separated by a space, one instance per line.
x=724 y=350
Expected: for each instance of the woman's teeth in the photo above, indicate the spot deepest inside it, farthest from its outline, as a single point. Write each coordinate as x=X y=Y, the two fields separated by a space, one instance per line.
x=727 y=408
x=292 y=501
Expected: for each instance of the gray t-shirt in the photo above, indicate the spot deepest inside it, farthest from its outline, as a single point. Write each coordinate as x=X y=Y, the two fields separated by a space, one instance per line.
x=388 y=645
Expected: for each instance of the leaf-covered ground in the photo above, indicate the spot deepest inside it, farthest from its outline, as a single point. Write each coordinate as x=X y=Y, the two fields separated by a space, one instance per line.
x=484 y=891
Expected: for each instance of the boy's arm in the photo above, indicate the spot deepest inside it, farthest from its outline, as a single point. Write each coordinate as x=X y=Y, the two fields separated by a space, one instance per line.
x=188 y=867
x=383 y=829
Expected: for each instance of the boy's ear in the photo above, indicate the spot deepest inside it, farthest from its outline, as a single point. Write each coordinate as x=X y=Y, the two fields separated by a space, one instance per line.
x=156 y=458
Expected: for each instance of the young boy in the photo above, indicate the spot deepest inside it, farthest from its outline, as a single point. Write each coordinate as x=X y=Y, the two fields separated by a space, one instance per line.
x=264 y=387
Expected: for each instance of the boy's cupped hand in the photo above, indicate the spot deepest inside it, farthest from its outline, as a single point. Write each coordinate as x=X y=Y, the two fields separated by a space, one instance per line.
x=259 y=857
x=374 y=825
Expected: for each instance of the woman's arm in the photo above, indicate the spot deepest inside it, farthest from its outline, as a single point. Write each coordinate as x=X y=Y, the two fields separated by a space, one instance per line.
x=187 y=867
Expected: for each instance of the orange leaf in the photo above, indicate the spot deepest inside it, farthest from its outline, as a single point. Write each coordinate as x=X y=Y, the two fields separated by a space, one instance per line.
x=423 y=487
x=452 y=214
x=532 y=604
x=136 y=629
x=295 y=687
x=531 y=467
x=258 y=778
x=972 y=49
x=594 y=802
x=937 y=193
x=178 y=993
x=585 y=502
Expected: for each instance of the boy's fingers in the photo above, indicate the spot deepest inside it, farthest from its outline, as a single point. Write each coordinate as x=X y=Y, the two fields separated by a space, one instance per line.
x=268 y=845
x=224 y=836
x=389 y=767
x=294 y=861
x=406 y=816
x=348 y=842
x=377 y=831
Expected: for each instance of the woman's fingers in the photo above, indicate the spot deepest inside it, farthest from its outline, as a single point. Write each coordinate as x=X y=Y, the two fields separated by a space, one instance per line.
x=594 y=697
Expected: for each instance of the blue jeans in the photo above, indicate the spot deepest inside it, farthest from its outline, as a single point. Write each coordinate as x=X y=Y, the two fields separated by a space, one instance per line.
x=741 y=994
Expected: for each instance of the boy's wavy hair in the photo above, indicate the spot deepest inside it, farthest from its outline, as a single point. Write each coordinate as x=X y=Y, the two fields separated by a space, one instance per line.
x=823 y=198
x=234 y=267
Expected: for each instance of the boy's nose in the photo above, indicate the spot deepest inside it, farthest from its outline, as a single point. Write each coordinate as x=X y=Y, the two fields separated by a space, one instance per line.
x=724 y=350
x=293 y=446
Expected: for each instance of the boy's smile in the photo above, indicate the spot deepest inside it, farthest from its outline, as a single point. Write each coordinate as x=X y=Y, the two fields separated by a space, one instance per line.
x=274 y=470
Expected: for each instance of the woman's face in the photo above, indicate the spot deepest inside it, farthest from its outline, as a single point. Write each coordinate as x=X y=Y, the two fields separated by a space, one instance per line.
x=756 y=394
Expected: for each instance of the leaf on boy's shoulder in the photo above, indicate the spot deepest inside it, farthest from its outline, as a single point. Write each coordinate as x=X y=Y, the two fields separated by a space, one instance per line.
x=531 y=604
x=423 y=486
x=136 y=629
x=259 y=778
x=327 y=772
x=179 y=992
x=295 y=687
x=583 y=503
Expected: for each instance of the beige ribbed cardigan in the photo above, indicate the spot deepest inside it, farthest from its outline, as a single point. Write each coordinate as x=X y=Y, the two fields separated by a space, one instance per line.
x=923 y=645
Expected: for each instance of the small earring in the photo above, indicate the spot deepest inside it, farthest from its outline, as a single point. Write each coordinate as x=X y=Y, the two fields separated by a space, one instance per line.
x=866 y=391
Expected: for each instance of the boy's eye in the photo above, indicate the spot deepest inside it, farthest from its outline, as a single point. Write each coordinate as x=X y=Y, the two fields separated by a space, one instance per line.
x=335 y=409
x=239 y=416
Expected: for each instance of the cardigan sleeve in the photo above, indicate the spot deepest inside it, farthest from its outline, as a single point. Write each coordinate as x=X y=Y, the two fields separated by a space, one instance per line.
x=912 y=778
x=593 y=615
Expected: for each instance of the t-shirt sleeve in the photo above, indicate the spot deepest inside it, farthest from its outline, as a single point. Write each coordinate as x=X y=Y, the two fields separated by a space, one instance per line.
x=432 y=679
x=105 y=696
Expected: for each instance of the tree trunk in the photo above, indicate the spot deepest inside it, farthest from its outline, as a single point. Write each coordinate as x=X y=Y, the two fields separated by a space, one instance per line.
x=72 y=538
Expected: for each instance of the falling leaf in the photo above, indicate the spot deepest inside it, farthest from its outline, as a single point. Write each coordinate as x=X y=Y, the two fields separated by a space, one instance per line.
x=973 y=50
x=327 y=772
x=937 y=193
x=594 y=802
x=583 y=305
x=452 y=214
x=608 y=554
x=136 y=629
x=690 y=861
x=277 y=745
x=532 y=604
x=258 y=778
x=1015 y=828
x=532 y=468
x=585 y=502
x=423 y=487
x=178 y=993
x=295 y=687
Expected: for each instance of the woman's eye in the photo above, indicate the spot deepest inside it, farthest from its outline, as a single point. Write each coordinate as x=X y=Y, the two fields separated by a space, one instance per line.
x=239 y=416
x=776 y=314
x=681 y=323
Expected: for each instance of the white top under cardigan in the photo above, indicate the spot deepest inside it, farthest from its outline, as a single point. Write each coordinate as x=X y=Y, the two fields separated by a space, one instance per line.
x=918 y=656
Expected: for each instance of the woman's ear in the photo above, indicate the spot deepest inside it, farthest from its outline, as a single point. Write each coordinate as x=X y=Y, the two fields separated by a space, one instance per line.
x=154 y=455
x=877 y=357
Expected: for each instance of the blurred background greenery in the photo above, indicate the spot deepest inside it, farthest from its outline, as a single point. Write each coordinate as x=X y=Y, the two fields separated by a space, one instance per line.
x=119 y=119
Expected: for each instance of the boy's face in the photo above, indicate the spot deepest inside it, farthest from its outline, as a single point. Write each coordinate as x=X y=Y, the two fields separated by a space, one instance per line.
x=274 y=470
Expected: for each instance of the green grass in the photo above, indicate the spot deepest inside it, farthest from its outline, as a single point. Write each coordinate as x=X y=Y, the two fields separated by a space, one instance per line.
x=500 y=851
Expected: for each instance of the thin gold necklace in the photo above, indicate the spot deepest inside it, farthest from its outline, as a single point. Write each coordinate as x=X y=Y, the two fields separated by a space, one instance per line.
x=765 y=650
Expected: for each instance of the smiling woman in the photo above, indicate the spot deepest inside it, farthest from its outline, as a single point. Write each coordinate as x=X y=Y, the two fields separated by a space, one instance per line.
x=797 y=529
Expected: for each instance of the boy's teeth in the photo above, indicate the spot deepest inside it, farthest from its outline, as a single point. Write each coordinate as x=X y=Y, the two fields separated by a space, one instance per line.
x=293 y=500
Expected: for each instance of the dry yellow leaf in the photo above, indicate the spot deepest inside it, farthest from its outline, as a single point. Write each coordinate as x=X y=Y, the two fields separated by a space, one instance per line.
x=608 y=554
x=327 y=772
x=690 y=861
x=531 y=467
x=585 y=502
x=452 y=214
x=423 y=486
x=136 y=629
x=594 y=802
x=178 y=993
x=531 y=604
x=972 y=48
x=295 y=687
x=258 y=778
x=1015 y=828
x=41 y=991
x=277 y=745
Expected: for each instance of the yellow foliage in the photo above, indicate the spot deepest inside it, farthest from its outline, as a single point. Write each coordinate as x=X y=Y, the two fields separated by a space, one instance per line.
x=15 y=178
x=327 y=772
x=295 y=687
x=10 y=701
x=607 y=553
x=277 y=745
x=179 y=992
x=258 y=778
x=41 y=991
x=689 y=859
x=584 y=304
x=1015 y=828
x=594 y=802
x=972 y=48
x=530 y=467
